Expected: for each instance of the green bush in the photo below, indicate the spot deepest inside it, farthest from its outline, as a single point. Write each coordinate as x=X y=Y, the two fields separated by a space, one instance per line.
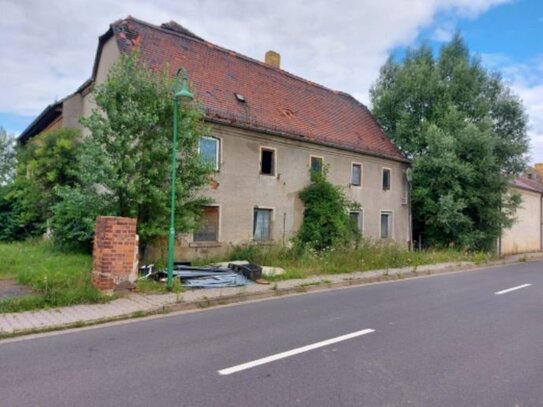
x=326 y=220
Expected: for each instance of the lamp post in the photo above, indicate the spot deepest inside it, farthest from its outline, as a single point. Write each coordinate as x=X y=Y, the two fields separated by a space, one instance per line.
x=185 y=95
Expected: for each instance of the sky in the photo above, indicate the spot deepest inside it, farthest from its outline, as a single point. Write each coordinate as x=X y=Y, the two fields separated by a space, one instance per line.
x=47 y=48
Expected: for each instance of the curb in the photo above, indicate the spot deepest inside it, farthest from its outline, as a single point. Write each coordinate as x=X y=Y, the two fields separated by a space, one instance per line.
x=298 y=287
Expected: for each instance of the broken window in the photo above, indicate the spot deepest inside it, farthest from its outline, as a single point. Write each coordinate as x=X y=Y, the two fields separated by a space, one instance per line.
x=209 y=226
x=386 y=178
x=262 y=224
x=209 y=151
x=356 y=175
x=316 y=164
x=386 y=225
x=267 y=161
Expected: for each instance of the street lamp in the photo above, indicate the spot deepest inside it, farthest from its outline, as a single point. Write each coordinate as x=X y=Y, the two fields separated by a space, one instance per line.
x=184 y=95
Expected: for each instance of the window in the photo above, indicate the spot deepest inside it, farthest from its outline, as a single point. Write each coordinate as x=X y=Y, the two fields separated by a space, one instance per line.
x=386 y=178
x=262 y=224
x=386 y=225
x=267 y=161
x=357 y=219
x=316 y=164
x=356 y=175
x=209 y=226
x=209 y=151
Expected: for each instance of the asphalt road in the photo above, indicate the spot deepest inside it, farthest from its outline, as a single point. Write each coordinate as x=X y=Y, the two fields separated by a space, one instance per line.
x=445 y=340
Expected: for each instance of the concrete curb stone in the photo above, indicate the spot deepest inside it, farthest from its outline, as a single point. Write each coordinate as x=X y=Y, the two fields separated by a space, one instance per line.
x=135 y=304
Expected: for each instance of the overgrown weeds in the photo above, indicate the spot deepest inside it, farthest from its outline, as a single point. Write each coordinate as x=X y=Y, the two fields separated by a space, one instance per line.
x=367 y=256
x=56 y=278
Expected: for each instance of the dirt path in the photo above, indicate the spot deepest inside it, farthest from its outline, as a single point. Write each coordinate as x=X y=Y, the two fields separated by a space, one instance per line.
x=10 y=289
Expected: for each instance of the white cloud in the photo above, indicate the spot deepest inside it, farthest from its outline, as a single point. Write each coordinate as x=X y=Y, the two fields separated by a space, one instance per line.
x=526 y=80
x=48 y=47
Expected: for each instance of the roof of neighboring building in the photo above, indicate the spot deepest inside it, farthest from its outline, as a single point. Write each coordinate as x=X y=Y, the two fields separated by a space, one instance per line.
x=48 y=115
x=528 y=184
x=275 y=100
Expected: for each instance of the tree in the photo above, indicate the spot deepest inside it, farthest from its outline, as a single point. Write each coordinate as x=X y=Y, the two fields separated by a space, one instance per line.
x=466 y=134
x=127 y=156
x=45 y=162
x=7 y=157
x=326 y=220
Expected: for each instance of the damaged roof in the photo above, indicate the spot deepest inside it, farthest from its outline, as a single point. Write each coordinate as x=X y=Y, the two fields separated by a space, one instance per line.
x=247 y=93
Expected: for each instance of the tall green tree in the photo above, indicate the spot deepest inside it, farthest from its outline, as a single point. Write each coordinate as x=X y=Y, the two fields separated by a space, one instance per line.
x=465 y=132
x=127 y=156
x=47 y=161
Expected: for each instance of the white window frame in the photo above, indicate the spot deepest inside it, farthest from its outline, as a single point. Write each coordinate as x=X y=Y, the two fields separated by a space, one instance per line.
x=274 y=172
x=218 y=150
x=390 y=224
x=389 y=178
x=353 y=163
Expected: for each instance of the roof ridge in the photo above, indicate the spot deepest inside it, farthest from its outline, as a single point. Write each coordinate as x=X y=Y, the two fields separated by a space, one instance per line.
x=241 y=56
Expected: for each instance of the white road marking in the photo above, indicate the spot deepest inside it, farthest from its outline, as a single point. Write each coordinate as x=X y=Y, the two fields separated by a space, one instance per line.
x=272 y=358
x=518 y=287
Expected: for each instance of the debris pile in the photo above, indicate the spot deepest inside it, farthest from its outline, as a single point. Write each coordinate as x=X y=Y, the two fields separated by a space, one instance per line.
x=234 y=274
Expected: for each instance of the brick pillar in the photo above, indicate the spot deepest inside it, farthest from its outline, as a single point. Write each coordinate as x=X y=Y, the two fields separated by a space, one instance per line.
x=115 y=253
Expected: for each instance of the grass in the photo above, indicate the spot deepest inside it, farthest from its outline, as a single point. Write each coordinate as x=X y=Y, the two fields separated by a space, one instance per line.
x=56 y=278
x=158 y=287
x=368 y=256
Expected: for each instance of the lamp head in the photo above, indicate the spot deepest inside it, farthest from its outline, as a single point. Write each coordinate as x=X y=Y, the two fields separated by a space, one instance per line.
x=184 y=94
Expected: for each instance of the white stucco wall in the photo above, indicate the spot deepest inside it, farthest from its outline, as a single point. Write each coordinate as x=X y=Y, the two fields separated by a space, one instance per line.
x=525 y=234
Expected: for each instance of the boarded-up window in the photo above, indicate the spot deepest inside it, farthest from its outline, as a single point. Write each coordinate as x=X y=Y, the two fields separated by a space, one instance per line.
x=209 y=226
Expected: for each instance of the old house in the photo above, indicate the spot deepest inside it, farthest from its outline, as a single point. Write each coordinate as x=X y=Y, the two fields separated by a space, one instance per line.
x=526 y=234
x=269 y=127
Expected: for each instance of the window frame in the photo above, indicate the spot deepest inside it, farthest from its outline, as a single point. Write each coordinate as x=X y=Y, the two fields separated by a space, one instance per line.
x=317 y=157
x=218 y=140
x=360 y=222
x=271 y=212
x=390 y=224
x=218 y=233
x=274 y=160
x=389 y=170
x=356 y=164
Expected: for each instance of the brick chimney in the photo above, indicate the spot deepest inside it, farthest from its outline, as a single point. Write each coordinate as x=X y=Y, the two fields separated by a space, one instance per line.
x=273 y=58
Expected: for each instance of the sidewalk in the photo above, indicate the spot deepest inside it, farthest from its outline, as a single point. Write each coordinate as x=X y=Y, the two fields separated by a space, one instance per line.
x=133 y=305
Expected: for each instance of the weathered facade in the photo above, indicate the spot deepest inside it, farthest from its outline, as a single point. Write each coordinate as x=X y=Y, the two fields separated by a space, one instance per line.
x=526 y=234
x=269 y=128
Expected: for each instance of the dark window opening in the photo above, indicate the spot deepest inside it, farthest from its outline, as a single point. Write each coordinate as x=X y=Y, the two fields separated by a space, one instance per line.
x=386 y=178
x=267 y=162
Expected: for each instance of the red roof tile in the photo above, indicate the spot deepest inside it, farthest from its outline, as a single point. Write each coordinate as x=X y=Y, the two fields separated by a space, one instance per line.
x=275 y=100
